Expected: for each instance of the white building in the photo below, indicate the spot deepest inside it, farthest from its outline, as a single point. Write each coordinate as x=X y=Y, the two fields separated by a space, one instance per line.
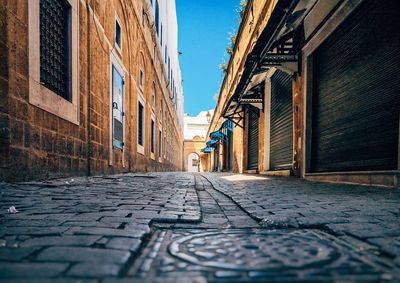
x=166 y=27
x=197 y=125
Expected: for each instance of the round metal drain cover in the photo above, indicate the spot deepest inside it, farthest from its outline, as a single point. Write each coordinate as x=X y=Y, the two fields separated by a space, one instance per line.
x=256 y=250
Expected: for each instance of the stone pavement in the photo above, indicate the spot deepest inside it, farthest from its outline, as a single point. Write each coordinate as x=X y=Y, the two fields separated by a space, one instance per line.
x=181 y=227
x=86 y=227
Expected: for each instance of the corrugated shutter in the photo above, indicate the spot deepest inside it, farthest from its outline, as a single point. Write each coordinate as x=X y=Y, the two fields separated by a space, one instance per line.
x=357 y=92
x=252 y=145
x=281 y=150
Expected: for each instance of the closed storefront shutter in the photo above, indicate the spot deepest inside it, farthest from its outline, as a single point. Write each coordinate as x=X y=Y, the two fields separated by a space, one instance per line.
x=356 y=97
x=252 y=149
x=281 y=150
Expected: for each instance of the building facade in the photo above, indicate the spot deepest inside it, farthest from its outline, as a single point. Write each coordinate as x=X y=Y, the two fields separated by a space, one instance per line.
x=195 y=159
x=89 y=87
x=313 y=90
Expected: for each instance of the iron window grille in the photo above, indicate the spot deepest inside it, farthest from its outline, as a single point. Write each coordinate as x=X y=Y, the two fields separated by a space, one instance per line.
x=55 y=46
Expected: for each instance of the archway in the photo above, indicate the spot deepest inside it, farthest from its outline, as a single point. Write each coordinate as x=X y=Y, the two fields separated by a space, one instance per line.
x=193 y=162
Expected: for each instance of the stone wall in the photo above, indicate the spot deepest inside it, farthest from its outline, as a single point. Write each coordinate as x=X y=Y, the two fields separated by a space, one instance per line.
x=35 y=143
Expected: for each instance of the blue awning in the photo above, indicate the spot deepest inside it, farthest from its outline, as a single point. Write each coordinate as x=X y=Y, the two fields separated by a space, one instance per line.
x=217 y=135
x=211 y=143
x=206 y=150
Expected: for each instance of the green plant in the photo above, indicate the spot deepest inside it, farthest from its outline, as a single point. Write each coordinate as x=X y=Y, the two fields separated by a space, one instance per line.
x=223 y=67
x=242 y=7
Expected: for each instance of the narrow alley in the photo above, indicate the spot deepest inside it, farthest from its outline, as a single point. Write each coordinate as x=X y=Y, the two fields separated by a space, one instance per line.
x=199 y=141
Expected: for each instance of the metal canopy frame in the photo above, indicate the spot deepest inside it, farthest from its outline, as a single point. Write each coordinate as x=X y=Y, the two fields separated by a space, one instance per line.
x=237 y=114
x=253 y=97
x=282 y=55
x=277 y=46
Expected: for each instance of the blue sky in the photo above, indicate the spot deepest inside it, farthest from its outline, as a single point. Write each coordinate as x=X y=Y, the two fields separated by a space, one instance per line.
x=204 y=29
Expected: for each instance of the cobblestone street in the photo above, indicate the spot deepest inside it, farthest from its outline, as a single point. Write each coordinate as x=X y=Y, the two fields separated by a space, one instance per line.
x=182 y=227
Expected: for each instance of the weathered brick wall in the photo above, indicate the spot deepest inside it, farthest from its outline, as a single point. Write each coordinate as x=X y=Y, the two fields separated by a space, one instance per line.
x=40 y=144
x=4 y=120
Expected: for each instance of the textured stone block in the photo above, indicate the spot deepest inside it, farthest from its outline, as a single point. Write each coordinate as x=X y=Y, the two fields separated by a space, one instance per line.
x=15 y=254
x=4 y=127
x=29 y=270
x=67 y=240
x=17 y=132
x=124 y=244
x=83 y=254
x=94 y=270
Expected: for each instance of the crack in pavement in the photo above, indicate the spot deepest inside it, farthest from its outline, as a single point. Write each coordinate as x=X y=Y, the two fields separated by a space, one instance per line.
x=228 y=245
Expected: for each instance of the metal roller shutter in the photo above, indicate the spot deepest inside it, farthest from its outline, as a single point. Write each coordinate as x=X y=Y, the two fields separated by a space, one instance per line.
x=252 y=145
x=281 y=146
x=356 y=97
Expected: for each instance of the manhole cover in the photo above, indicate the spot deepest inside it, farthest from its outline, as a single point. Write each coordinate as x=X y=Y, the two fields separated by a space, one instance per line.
x=256 y=255
x=262 y=250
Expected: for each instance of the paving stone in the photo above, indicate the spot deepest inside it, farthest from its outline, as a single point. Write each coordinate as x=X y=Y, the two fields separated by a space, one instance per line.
x=83 y=225
x=47 y=280
x=65 y=240
x=124 y=244
x=107 y=232
x=31 y=269
x=38 y=231
x=91 y=224
x=15 y=254
x=94 y=270
x=31 y=222
x=83 y=254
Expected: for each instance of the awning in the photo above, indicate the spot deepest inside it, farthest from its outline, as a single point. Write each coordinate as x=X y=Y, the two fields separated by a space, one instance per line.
x=206 y=150
x=211 y=143
x=217 y=135
x=227 y=125
x=265 y=42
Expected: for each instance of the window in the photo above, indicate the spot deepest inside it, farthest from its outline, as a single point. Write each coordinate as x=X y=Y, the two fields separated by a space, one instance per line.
x=161 y=39
x=165 y=144
x=169 y=69
x=159 y=144
x=161 y=112
x=117 y=108
x=153 y=98
x=141 y=78
x=140 y=123
x=118 y=36
x=172 y=81
x=54 y=57
x=152 y=136
x=55 y=46
x=157 y=18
